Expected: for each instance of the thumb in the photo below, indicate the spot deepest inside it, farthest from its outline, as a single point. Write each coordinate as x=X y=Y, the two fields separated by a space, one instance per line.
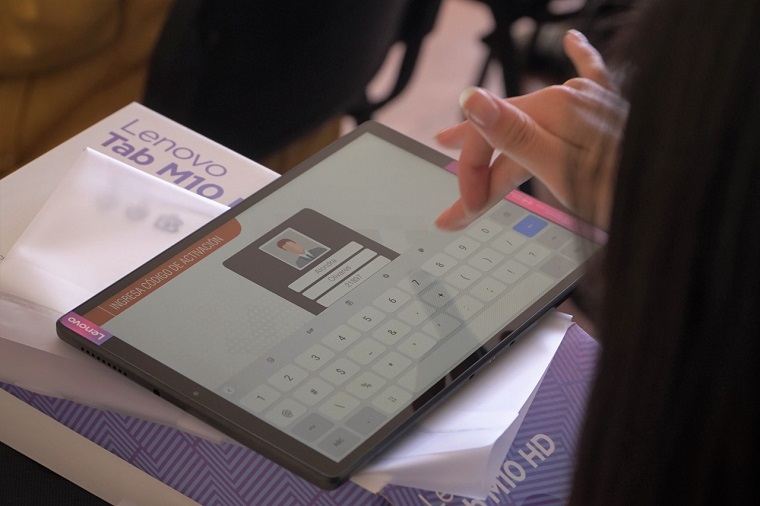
x=587 y=60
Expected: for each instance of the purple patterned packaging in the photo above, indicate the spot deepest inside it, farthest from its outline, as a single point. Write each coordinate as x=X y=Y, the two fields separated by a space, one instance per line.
x=536 y=471
x=538 y=468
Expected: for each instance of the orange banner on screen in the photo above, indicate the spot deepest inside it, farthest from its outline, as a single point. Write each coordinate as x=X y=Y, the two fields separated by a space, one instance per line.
x=164 y=273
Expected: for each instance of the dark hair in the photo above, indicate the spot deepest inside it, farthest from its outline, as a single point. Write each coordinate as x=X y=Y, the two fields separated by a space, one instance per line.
x=673 y=415
x=282 y=242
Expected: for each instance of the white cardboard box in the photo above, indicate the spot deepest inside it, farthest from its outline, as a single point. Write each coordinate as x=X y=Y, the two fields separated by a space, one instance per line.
x=143 y=139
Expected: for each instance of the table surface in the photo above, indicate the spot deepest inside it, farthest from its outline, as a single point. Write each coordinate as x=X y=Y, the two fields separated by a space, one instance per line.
x=25 y=482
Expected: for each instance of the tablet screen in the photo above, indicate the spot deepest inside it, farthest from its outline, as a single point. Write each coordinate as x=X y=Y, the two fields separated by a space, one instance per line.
x=322 y=312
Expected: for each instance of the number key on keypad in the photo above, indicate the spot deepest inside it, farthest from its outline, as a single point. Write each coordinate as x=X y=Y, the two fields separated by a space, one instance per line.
x=416 y=282
x=391 y=300
x=340 y=338
x=287 y=377
x=260 y=398
x=484 y=230
x=439 y=264
x=314 y=358
x=462 y=247
x=367 y=318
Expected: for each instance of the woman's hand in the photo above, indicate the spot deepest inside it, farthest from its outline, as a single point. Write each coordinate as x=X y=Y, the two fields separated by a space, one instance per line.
x=567 y=136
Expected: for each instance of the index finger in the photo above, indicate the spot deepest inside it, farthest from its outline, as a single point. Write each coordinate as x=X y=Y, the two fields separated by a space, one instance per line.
x=474 y=168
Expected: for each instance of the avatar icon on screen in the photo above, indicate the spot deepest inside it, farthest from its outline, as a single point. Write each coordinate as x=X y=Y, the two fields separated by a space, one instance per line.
x=299 y=256
x=308 y=255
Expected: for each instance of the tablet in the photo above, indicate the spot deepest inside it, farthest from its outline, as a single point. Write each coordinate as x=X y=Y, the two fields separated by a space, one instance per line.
x=321 y=317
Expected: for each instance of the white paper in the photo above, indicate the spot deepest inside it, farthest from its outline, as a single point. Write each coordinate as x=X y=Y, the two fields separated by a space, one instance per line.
x=103 y=220
x=460 y=447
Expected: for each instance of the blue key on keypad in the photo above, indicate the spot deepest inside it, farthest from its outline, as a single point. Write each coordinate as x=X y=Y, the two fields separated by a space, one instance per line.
x=530 y=226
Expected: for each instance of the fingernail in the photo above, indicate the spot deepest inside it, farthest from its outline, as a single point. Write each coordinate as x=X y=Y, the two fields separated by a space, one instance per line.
x=443 y=132
x=478 y=106
x=440 y=223
x=443 y=220
x=446 y=222
x=578 y=35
